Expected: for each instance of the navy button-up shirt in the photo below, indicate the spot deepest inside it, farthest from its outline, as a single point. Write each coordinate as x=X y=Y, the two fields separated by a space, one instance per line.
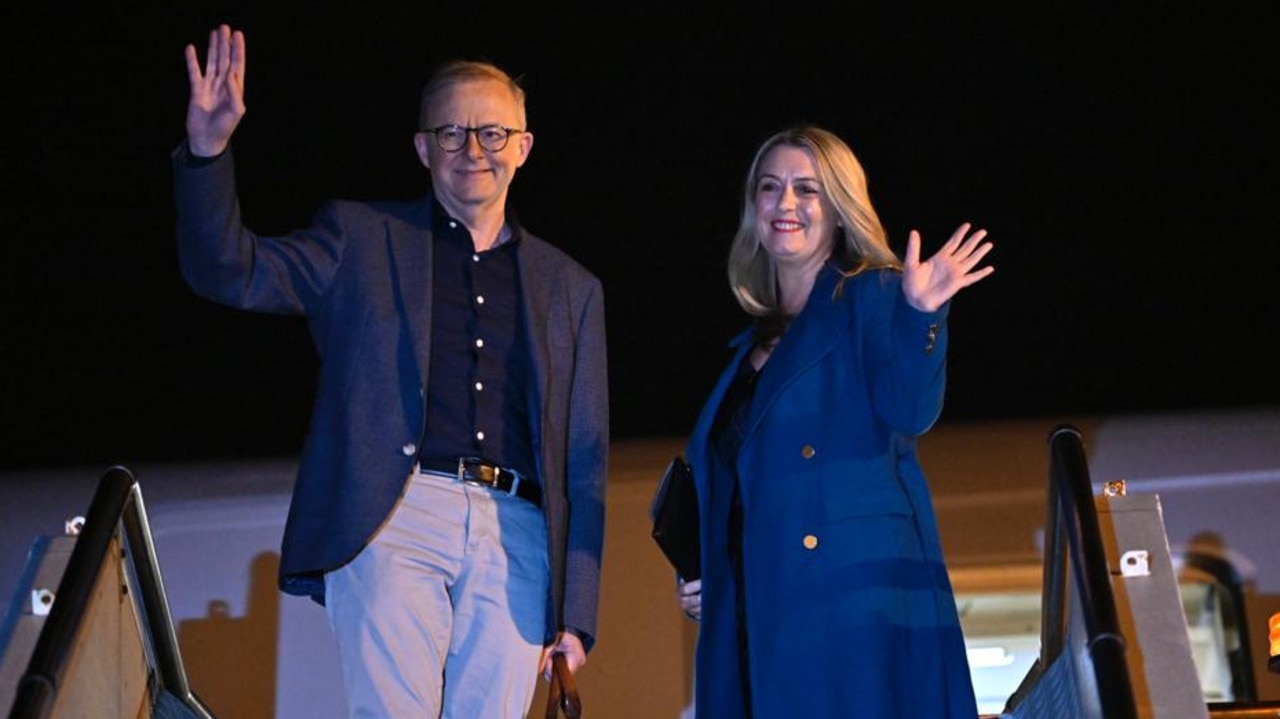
x=478 y=389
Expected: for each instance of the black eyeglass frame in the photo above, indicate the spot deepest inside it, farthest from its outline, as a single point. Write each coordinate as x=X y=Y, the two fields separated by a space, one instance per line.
x=466 y=131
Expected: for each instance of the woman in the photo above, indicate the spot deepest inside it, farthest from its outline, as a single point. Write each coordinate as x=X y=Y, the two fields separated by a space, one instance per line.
x=823 y=590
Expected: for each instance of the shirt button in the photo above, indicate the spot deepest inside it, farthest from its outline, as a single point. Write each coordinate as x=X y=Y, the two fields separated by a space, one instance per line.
x=453 y=224
x=480 y=436
x=475 y=258
x=808 y=451
x=810 y=541
x=479 y=343
x=479 y=386
x=479 y=299
x=409 y=449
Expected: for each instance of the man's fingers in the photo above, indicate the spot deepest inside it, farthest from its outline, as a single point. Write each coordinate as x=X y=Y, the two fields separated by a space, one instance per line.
x=224 y=50
x=218 y=63
x=211 y=55
x=238 y=56
x=194 y=76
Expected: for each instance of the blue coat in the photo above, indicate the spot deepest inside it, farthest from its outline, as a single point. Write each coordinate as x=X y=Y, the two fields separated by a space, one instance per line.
x=849 y=610
x=361 y=275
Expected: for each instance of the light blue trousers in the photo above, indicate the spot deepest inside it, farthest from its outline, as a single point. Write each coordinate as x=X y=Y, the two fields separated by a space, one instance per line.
x=443 y=613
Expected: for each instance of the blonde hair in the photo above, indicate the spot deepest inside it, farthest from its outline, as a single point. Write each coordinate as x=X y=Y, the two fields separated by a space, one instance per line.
x=456 y=72
x=861 y=243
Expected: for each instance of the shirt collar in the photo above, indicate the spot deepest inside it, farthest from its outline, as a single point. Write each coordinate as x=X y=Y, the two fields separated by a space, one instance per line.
x=441 y=219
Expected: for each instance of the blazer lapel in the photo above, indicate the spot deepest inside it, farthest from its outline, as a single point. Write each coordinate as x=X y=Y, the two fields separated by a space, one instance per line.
x=409 y=244
x=535 y=277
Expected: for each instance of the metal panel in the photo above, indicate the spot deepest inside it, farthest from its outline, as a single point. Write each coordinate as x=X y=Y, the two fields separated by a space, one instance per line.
x=1149 y=606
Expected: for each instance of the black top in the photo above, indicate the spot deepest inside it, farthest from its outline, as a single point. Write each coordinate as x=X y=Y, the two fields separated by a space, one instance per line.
x=727 y=432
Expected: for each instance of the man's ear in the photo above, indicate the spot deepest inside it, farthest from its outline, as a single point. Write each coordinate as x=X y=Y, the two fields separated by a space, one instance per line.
x=420 y=146
x=526 y=146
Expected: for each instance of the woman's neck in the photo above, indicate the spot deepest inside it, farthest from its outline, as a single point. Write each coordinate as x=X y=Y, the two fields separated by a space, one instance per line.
x=794 y=286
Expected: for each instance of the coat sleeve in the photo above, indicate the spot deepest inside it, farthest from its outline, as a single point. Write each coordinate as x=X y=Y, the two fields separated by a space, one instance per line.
x=224 y=261
x=906 y=354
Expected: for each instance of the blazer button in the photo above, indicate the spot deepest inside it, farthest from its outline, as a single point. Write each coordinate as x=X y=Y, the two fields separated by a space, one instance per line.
x=409 y=449
x=808 y=451
x=810 y=541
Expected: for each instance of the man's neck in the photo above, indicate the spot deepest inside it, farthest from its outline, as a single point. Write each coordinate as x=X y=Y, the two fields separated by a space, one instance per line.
x=487 y=232
x=487 y=224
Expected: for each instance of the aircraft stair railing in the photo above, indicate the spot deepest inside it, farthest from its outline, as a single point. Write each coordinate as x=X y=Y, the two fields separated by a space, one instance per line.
x=107 y=647
x=1113 y=636
x=1096 y=683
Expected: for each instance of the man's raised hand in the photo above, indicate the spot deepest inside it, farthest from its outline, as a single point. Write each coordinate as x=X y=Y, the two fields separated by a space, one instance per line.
x=217 y=92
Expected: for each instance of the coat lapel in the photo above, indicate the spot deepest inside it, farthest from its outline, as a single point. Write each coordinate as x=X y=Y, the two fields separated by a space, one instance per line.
x=697 y=447
x=819 y=327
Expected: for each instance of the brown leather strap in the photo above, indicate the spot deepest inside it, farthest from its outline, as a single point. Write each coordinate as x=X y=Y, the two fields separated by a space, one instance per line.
x=563 y=695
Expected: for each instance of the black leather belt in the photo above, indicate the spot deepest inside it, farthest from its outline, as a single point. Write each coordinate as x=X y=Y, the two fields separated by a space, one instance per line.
x=473 y=470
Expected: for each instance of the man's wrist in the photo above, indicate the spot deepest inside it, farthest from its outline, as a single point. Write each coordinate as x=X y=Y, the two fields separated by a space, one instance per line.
x=192 y=159
x=583 y=637
x=202 y=156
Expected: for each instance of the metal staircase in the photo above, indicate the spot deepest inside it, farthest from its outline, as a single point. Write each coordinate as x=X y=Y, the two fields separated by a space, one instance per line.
x=1114 y=639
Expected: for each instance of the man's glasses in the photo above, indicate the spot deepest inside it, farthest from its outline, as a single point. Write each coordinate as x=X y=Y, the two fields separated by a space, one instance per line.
x=452 y=138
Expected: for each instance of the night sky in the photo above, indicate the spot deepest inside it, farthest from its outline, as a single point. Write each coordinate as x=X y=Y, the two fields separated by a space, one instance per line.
x=1124 y=161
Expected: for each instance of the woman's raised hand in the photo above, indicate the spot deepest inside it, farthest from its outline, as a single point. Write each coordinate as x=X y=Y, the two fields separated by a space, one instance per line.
x=929 y=284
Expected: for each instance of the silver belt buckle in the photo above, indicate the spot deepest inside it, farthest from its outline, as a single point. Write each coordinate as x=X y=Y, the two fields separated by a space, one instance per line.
x=477 y=478
x=498 y=472
x=462 y=473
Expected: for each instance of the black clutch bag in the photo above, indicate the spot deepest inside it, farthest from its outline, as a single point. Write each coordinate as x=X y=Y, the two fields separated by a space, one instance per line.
x=675 y=520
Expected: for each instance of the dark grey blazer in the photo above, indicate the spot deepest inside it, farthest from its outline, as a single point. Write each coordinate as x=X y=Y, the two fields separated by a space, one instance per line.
x=361 y=275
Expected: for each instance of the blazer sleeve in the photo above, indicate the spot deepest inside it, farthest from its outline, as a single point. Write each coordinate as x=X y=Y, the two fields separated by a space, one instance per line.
x=588 y=447
x=224 y=261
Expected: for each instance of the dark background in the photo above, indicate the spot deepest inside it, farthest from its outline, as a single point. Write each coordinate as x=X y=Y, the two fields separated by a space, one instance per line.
x=1124 y=161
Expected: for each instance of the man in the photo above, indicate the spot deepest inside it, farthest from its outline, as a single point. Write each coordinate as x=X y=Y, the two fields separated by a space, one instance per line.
x=449 y=506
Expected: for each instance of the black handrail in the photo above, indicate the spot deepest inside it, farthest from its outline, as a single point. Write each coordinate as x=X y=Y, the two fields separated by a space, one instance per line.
x=1073 y=520
x=1069 y=473
x=117 y=503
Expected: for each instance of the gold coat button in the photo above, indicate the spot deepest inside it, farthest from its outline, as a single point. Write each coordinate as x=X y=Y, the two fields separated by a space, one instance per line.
x=808 y=451
x=810 y=541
